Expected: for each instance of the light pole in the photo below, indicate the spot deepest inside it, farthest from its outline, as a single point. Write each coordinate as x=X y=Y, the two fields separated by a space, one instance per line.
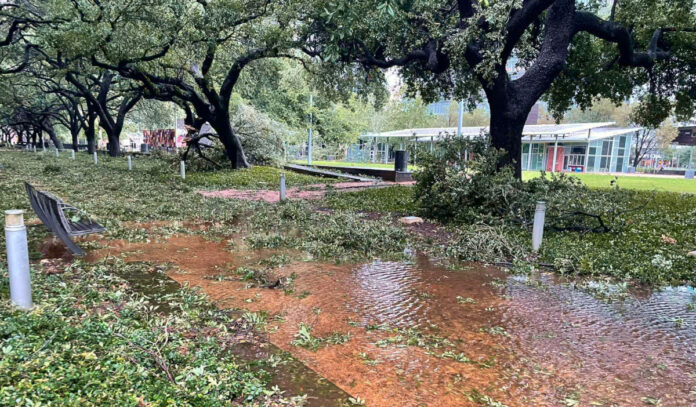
x=309 y=136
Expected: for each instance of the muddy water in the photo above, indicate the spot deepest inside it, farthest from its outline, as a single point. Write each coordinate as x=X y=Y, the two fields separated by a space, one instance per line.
x=421 y=334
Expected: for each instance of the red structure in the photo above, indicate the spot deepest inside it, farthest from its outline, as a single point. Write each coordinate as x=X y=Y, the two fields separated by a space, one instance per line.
x=165 y=138
x=560 y=154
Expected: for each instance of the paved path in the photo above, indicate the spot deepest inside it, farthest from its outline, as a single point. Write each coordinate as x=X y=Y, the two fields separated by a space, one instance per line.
x=310 y=192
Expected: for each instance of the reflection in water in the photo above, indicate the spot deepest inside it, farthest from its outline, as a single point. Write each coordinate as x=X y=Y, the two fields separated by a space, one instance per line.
x=420 y=334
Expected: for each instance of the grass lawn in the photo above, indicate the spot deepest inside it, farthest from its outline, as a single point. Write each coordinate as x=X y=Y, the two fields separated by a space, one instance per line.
x=680 y=185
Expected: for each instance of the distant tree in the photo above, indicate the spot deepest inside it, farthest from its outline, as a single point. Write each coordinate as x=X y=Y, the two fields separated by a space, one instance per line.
x=568 y=51
x=603 y=110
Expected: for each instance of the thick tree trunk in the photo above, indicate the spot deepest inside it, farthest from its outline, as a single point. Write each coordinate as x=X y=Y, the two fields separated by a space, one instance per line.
x=232 y=143
x=90 y=132
x=506 y=133
x=114 y=143
x=54 y=138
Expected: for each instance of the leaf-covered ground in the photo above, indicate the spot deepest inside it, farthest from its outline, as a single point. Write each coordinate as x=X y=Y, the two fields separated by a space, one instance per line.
x=92 y=340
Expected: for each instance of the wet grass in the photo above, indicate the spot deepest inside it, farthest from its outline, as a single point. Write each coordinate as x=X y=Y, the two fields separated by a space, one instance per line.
x=648 y=245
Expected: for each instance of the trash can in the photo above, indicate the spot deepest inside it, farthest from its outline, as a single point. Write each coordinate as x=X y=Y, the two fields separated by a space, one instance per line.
x=631 y=170
x=689 y=174
x=401 y=161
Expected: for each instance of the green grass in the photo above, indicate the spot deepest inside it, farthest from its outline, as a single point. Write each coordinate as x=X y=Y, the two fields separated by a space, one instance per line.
x=395 y=199
x=639 y=183
x=353 y=164
x=253 y=178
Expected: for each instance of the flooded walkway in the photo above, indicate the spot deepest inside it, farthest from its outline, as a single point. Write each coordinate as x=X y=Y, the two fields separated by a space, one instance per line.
x=421 y=334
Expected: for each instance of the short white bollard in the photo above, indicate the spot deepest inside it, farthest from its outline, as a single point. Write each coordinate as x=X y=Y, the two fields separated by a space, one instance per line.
x=96 y=160
x=282 y=186
x=57 y=154
x=538 y=230
x=183 y=169
x=72 y=154
x=18 y=258
x=34 y=148
x=130 y=163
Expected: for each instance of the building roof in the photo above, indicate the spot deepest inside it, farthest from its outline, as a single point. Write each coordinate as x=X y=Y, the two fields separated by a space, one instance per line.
x=537 y=132
x=687 y=136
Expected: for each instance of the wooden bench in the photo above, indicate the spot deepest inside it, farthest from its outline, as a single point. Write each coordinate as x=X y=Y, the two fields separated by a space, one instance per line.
x=52 y=212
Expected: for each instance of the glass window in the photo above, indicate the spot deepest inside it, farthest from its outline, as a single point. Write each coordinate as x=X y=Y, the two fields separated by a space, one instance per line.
x=606 y=147
x=604 y=164
x=619 y=164
x=622 y=142
x=593 y=150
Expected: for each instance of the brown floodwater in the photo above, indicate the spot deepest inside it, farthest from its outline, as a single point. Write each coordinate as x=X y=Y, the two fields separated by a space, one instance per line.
x=422 y=334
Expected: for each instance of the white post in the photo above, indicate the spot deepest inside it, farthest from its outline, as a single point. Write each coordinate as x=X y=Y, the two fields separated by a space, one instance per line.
x=57 y=154
x=460 y=118
x=183 y=169
x=538 y=230
x=96 y=160
x=18 y=258
x=72 y=154
x=374 y=149
x=282 y=186
x=431 y=144
x=587 y=152
x=130 y=163
x=555 y=154
x=529 y=157
x=612 y=158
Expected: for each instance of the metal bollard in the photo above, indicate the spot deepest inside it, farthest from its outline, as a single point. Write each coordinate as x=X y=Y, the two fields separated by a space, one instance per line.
x=34 y=148
x=538 y=230
x=282 y=186
x=18 y=258
x=183 y=169
x=57 y=153
x=130 y=163
x=96 y=160
x=72 y=154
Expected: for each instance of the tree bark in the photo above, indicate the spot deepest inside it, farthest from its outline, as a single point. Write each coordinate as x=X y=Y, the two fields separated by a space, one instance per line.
x=114 y=137
x=233 y=145
x=506 y=133
x=53 y=136
x=90 y=132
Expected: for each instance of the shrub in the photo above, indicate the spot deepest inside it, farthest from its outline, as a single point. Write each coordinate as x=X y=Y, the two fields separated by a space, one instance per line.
x=454 y=190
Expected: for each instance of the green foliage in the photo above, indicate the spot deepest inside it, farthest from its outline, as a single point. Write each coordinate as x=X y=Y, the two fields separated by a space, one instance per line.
x=92 y=340
x=395 y=199
x=456 y=190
